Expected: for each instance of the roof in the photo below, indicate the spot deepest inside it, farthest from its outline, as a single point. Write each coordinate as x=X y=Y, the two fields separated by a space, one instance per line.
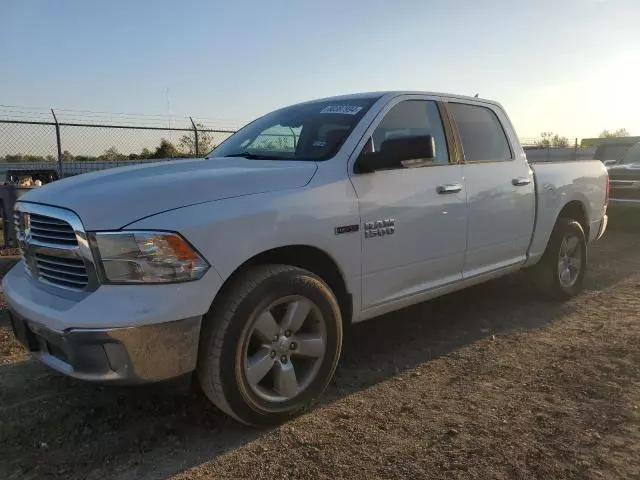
x=395 y=93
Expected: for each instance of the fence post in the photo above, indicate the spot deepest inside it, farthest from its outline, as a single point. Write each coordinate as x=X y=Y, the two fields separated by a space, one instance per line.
x=55 y=119
x=195 y=134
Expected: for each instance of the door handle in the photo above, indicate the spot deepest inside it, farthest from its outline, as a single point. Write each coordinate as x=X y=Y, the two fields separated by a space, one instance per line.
x=521 y=181
x=449 y=188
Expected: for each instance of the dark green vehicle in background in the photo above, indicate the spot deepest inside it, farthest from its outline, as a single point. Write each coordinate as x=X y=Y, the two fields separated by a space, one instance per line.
x=624 y=200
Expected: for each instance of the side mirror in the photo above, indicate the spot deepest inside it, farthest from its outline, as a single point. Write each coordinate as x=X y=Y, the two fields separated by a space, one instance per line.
x=608 y=163
x=398 y=152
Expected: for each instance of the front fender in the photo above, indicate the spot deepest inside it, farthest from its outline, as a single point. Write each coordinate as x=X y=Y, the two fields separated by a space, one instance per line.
x=229 y=232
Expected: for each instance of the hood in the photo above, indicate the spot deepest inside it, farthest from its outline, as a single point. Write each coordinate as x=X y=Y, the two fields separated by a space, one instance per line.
x=630 y=171
x=112 y=198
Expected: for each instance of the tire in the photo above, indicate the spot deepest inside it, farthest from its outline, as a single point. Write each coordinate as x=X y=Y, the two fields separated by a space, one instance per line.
x=548 y=275
x=239 y=343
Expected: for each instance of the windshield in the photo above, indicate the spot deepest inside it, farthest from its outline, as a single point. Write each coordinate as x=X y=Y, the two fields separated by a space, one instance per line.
x=632 y=156
x=310 y=131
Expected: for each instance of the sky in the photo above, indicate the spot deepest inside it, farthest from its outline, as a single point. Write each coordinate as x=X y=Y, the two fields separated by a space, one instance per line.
x=567 y=66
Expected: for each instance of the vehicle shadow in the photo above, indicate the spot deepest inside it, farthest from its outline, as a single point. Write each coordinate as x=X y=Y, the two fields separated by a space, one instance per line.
x=55 y=427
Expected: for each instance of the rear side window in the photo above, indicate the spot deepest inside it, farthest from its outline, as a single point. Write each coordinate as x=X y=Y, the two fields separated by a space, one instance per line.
x=481 y=134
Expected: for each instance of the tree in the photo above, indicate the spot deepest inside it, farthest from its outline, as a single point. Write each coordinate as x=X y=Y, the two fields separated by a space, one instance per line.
x=621 y=132
x=550 y=140
x=559 y=142
x=205 y=142
x=166 y=150
x=545 y=142
x=14 y=158
x=112 y=154
x=67 y=156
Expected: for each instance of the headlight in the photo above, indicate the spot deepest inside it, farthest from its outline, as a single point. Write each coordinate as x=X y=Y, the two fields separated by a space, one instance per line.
x=148 y=257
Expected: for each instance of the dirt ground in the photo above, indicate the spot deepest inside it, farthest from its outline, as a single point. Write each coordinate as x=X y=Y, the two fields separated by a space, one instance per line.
x=486 y=383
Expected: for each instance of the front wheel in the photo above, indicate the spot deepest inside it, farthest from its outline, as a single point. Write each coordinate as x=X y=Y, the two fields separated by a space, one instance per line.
x=271 y=345
x=560 y=272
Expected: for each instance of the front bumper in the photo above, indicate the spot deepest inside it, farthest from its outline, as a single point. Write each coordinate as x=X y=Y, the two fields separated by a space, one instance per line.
x=117 y=333
x=119 y=355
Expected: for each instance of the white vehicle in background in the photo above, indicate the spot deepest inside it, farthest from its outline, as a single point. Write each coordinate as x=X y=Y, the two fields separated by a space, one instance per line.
x=245 y=267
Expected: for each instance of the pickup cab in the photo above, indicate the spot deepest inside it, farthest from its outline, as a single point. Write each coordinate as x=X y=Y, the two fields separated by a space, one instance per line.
x=246 y=267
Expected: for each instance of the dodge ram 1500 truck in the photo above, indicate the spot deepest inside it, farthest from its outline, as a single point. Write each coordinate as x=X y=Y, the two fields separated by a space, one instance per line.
x=245 y=267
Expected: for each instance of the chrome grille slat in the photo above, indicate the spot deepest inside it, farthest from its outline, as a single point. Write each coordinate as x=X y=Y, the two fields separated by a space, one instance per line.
x=62 y=262
x=48 y=220
x=53 y=278
x=46 y=270
x=51 y=227
x=46 y=237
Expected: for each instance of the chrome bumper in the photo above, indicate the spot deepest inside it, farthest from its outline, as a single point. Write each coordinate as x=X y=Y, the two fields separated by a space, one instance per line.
x=603 y=226
x=142 y=354
x=624 y=202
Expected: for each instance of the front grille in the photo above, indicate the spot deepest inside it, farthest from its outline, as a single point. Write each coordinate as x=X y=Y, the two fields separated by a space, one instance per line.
x=69 y=272
x=625 y=189
x=50 y=251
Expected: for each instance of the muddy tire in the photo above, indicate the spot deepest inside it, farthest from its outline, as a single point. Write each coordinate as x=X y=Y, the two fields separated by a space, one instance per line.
x=270 y=345
x=560 y=273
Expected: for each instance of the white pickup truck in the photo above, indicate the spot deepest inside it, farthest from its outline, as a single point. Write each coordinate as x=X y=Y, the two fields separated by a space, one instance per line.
x=246 y=266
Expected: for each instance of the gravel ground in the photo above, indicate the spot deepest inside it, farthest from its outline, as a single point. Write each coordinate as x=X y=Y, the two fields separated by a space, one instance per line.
x=485 y=383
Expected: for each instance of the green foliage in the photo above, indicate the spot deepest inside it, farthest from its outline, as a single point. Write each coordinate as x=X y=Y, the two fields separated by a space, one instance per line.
x=26 y=158
x=187 y=143
x=111 y=154
x=14 y=158
x=621 y=132
x=166 y=150
x=550 y=140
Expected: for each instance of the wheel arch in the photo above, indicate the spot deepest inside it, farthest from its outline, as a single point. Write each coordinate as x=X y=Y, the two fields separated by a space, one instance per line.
x=576 y=210
x=306 y=257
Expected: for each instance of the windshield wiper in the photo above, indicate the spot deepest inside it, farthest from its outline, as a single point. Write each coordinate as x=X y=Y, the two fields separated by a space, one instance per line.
x=255 y=156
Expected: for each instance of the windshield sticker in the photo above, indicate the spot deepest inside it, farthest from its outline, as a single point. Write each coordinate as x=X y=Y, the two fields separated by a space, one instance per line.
x=319 y=143
x=343 y=109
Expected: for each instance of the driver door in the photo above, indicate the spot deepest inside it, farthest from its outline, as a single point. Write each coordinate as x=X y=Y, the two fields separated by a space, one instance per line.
x=415 y=219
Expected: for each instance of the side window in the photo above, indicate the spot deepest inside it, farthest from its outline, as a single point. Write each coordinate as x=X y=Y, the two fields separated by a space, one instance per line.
x=481 y=134
x=413 y=118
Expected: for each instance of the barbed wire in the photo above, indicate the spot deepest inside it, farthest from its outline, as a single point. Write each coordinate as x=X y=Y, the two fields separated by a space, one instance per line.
x=16 y=112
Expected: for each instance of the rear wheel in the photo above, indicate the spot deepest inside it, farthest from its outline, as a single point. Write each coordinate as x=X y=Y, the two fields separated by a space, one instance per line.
x=560 y=272
x=271 y=346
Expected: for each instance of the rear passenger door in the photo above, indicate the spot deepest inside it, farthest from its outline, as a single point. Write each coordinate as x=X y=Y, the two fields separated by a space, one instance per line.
x=499 y=185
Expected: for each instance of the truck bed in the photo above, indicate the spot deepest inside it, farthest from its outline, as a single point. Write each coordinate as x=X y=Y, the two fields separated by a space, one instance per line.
x=556 y=186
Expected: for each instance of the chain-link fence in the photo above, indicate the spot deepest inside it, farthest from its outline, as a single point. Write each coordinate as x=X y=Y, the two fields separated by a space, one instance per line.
x=555 y=149
x=39 y=146
x=50 y=144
